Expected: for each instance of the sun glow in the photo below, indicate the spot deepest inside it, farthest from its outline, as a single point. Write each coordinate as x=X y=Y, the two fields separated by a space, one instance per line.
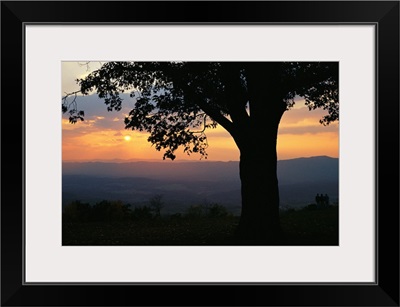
x=127 y=138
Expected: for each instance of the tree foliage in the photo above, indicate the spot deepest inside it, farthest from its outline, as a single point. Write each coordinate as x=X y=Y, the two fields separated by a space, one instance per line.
x=176 y=102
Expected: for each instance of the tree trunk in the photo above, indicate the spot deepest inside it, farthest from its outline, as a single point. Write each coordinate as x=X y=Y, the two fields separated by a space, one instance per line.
x=259 y=221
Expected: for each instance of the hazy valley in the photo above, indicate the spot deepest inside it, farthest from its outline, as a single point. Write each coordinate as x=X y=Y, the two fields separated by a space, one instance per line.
x=183 y=184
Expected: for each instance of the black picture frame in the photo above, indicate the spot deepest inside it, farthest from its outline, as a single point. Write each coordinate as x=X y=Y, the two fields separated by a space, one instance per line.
x=383 y=14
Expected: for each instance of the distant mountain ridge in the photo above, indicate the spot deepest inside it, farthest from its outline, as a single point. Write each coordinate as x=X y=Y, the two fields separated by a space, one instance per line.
x=298 y=169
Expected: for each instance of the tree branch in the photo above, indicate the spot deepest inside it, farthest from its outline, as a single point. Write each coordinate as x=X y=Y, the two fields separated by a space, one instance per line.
x=217 y=116
x=235 y=93
x=66 y=106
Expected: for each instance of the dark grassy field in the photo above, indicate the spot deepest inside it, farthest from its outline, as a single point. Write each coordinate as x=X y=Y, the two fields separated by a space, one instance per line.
x=309 y=226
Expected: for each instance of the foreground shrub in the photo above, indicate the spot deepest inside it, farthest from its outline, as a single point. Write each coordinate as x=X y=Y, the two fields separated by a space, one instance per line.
x=216 y=211
x=142 y=213
x=207 y=211
x=104 y=211
x=311 y=207
x=77 y=212
x=108 y=211
x=195 y=211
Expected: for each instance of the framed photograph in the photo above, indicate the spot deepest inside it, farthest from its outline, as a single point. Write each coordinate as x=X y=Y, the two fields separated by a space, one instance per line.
x=206 y=153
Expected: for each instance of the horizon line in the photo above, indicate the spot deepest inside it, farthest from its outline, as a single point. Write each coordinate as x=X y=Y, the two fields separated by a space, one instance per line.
x=117 y=160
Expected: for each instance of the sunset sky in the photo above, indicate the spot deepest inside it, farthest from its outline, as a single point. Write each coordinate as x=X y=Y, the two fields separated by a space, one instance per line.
x=102 y=135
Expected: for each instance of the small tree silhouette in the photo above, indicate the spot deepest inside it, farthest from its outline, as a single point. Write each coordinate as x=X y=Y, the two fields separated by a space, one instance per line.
x=156 y=204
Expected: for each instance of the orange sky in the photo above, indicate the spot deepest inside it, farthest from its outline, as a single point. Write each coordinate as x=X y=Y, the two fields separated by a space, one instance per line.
x=102 y=135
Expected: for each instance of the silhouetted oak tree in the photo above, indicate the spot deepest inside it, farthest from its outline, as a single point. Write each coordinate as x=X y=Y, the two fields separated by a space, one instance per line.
x=176 y=102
